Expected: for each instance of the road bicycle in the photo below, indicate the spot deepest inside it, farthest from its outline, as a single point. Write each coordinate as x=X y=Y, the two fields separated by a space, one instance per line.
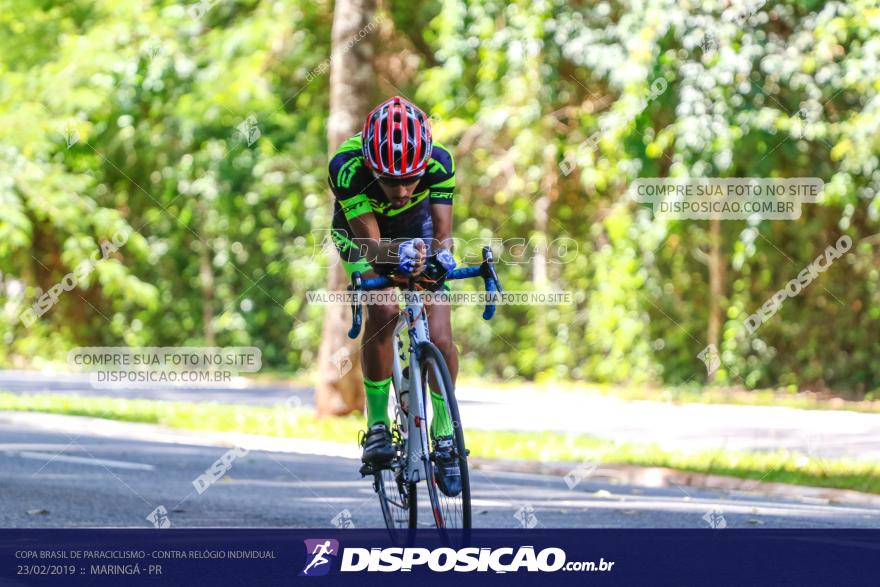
x=418 y=366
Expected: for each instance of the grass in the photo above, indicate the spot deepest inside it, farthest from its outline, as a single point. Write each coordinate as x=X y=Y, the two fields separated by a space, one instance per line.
x=280 y=421
x=693 y=394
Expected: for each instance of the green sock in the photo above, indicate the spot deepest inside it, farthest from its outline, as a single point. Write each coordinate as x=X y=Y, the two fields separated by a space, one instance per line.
x=441 y=425
x=377 y=401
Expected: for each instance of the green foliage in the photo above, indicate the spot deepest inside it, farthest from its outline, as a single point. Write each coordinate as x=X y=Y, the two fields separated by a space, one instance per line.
x=143 y=118
x=787 y=91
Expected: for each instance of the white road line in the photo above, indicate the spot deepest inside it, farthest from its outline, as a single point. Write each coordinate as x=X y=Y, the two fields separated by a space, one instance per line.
x=44 y=456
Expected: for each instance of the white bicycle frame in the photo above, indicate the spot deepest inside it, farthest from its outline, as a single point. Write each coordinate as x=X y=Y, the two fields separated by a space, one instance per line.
x=414 y=320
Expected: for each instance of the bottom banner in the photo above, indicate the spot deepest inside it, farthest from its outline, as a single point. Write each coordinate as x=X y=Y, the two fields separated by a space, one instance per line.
x=195 y=557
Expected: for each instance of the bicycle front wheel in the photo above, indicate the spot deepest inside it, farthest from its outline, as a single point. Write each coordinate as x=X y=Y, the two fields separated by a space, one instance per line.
x=449 y=511
x=397 y=496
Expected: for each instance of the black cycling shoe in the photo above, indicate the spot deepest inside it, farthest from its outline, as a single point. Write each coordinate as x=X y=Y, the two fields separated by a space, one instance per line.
x=377 y=445
x=446 y=469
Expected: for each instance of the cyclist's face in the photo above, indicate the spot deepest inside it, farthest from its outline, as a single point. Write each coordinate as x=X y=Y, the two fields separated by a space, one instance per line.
x=398 y=193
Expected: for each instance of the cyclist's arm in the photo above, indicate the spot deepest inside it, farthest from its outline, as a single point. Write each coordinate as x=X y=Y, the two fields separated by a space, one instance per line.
x=441 y=216
x=442 y=171
x=368 y=238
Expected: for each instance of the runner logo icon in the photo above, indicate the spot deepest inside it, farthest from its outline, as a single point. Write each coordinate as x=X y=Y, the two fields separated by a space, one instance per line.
x=320 y=553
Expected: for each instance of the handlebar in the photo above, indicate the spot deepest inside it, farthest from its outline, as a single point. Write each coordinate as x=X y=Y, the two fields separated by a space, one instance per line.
x=486 y=270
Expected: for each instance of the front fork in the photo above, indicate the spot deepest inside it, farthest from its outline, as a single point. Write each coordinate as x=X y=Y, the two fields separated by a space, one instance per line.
x=410 y=400
x=417 y=459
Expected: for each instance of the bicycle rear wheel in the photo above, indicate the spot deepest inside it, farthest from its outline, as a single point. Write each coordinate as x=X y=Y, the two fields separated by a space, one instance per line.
x=450 y=512
x=397 y=497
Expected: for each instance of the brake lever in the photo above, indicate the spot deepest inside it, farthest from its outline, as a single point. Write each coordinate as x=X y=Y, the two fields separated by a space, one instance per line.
x=490 y=278
x=487 y=269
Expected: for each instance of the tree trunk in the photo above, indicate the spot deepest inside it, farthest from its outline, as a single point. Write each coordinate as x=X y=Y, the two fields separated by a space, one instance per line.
x=340 y=388
x=716 y=284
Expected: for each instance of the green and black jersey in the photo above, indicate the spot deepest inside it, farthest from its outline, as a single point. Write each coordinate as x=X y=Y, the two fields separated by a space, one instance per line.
x=357 y=192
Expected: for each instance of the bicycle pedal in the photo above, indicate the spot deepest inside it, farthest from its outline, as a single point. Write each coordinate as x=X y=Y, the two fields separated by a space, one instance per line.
x=373 y=468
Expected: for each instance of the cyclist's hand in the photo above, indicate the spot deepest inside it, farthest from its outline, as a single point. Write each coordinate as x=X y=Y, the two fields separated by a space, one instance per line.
x=446 y=260
x=437 y=268
x=422 y=257
x=412 y=256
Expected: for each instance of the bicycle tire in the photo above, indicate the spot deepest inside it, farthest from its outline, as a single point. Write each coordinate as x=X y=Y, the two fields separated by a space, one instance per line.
x=388 y=482
x=429 y=354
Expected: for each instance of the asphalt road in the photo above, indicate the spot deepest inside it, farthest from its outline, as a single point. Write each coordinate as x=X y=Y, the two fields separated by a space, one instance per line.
x=58 y=479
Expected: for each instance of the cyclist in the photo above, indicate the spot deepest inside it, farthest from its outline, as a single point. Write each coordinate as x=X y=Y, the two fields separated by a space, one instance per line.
x=393 y=213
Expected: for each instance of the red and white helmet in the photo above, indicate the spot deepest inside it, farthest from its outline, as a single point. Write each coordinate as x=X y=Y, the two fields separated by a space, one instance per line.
x=397 y=139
